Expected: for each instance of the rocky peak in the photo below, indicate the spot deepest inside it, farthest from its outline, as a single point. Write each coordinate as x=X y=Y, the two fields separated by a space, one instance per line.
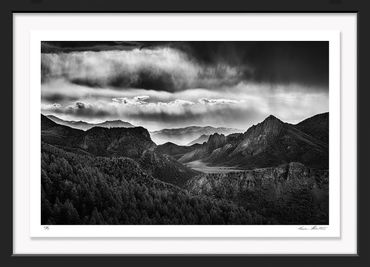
x=259 y=136
x=271 y=119
x=270 y=126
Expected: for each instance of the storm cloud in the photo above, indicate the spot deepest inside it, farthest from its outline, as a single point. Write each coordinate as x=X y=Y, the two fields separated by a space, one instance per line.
x=175 y=66
x=163 y=69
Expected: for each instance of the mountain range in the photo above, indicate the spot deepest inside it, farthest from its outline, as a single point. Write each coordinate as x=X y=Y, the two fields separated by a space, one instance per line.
x=186 y=135
x=273 y=173
x=82 y=125
x=269 y=143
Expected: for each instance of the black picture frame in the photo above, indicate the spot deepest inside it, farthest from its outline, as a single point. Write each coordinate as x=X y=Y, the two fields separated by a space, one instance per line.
x=164 y=6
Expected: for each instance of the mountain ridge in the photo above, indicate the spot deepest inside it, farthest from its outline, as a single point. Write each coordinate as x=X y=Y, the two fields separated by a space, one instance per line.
x=134 y=143
x=317 y=125
x=268 y=143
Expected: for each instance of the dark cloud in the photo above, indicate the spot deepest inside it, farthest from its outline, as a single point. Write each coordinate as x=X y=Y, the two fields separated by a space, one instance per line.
x=162 y=80
x=145 y=78
x=73 y=46
x=292 y=62
x=283 y=62
x=57 y=97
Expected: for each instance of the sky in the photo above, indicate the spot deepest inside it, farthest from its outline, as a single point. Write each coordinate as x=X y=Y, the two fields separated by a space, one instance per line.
x=177 y=84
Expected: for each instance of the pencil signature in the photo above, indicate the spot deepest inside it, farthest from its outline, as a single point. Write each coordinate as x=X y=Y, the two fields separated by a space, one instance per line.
x=315 y=227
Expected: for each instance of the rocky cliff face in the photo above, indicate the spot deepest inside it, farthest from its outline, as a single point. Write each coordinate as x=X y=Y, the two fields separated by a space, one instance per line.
x=258 y=137
x=293 y=174
x=130 y=142
x=215 y=141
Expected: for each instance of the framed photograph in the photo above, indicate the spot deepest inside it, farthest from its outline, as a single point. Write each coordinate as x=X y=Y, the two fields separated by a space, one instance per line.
x=185 y=138
x=185 y=134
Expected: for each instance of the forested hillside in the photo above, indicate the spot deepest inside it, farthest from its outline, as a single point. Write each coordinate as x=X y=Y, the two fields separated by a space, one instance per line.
x=78 y=189
x=134 y=143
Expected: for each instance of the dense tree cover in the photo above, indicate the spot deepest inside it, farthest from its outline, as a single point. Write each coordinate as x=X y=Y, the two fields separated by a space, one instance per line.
x=296 y=207
x=302 y=198
x=82 y=189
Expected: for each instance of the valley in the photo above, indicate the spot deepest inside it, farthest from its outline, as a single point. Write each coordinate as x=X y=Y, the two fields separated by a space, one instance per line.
x=200 y=166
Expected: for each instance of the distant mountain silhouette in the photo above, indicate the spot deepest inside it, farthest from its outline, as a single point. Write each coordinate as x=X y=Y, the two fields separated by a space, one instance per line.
x=183 y=136
x=269 y=143
x=82 y=125
x=134 y=143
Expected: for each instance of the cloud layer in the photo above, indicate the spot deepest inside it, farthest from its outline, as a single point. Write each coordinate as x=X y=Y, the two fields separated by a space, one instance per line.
x=237 y=107
x=175 y=84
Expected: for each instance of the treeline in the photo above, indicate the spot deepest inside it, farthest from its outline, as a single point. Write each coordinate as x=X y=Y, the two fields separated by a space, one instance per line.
x=79 y=189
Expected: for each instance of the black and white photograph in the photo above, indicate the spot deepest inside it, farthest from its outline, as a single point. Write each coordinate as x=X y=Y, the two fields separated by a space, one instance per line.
x=184 y=132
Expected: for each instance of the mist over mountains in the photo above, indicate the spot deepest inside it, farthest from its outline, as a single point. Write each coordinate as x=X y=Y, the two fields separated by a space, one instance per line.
x=180 y=136
x=186 y=135
x=82 y=125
